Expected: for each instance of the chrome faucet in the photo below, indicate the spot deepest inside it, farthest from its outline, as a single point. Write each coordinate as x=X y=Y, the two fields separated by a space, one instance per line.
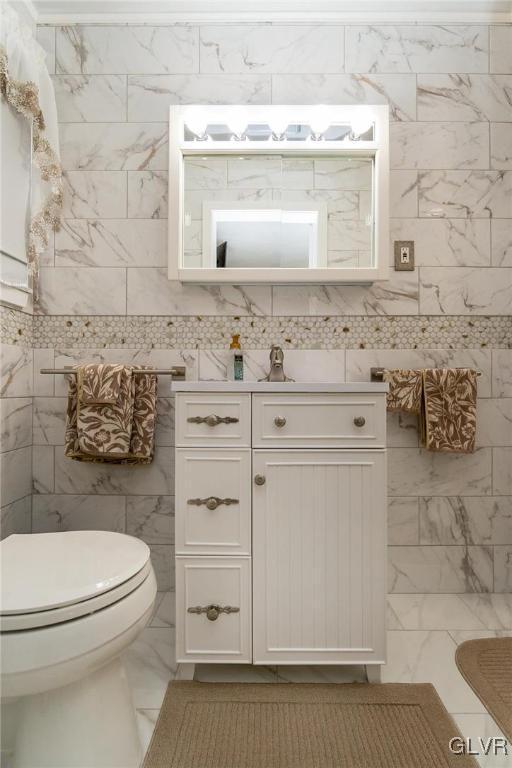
x=276 y=372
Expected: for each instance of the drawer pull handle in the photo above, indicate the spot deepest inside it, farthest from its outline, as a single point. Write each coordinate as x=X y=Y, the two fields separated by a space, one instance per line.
x=259 y=479
x=359 y=421
x=279 y=421
x=212 y=420
x=213 y=611
x=212 y=502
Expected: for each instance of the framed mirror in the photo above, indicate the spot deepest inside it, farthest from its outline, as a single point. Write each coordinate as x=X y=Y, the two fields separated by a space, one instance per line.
x=278 y=194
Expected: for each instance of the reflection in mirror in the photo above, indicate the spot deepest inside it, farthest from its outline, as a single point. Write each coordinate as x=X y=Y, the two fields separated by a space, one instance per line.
x=261 y=211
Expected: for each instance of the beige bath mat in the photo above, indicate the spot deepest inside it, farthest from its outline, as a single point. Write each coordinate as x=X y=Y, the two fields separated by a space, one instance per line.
x=285 y=725
x=487 y=666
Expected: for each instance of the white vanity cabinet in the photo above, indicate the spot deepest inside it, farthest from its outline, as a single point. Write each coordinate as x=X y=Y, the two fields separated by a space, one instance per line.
x=281 y=523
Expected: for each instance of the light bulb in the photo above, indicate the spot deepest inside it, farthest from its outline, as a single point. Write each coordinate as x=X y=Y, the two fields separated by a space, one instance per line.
x=237 y=123
x=196 y=122
x=279 y=123
x=359 y=125
x=319 y=121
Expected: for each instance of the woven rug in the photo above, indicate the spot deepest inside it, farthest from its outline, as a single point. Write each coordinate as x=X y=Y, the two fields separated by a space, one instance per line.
x=231 y=725
x=487 y=666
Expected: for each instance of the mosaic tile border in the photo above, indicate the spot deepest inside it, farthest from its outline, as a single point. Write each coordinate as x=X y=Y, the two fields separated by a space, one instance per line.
x=16 y=327
x=214 y=332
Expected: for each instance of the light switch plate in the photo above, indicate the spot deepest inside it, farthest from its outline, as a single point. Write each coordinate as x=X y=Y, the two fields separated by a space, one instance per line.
x=404 y=255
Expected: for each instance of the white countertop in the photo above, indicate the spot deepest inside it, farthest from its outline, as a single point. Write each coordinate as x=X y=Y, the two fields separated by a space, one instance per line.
x=278 y=386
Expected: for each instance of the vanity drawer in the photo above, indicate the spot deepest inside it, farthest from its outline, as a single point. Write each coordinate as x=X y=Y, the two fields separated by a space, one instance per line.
x=319 y=420
x=213 y=419
x=213 y=501
x=214 y=636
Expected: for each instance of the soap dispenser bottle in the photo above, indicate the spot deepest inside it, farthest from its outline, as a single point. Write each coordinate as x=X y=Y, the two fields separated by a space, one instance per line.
x=236 y=360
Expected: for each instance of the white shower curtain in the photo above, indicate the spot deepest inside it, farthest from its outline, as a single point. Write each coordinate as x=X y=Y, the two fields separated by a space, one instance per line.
x=26 y=85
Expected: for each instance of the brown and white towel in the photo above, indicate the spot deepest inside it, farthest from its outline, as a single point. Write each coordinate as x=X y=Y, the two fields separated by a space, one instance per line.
x=444 y=400
x=405 y=390
x=448 y=422
x=104 y=429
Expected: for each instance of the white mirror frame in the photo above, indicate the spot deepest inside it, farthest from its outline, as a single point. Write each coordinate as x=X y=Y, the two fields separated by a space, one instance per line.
x=378 y=148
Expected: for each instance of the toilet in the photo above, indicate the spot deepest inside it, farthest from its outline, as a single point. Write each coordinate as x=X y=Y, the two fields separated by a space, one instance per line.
x=70 y=604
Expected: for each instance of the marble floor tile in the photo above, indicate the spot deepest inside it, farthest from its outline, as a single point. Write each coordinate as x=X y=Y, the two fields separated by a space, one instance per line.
x=462 y=636
x=146 y=721
x=478 y=612
x=164 y=615
x=440 y=569
x=150 y=666
x=428 y=657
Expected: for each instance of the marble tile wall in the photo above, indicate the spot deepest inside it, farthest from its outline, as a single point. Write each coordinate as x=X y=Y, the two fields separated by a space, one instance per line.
x=105 y=294
x=16 y=387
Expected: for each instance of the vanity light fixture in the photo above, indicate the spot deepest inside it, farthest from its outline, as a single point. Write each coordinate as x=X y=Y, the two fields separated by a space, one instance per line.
x=359 y=125
x=319 y=122
x=270 y=124
x=238 y=124
x=279 y=124
x=196 y=122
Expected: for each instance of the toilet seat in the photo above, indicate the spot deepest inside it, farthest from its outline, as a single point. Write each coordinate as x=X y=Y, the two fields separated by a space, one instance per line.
x=53 y=578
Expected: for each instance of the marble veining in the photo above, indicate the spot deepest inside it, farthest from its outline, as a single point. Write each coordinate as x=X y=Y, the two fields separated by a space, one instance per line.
x=114 y=147
x=94 y=194
x=440 y=569
x=449 y=145
x=272 y=48
x=463 y=290
x=421 y=48
x=113 y=49
x=449 y=520
x=464 y=97
x=446 y=242
x=398 y=91
x=81 y=98
x=147 y=194
x=111 y=243
x=149 y=96
x=463 y=194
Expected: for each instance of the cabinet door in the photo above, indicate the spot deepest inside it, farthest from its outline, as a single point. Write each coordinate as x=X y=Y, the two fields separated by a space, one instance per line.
x=319 y=547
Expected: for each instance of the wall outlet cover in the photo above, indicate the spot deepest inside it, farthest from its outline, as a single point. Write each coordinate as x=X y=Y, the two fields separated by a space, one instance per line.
x=404 y=255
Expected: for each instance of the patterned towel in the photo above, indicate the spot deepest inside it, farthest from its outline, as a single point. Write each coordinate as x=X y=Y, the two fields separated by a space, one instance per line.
x=122 y=432
x=448 y=420
x=100 y=383
x=444 y=400
x=405 y=390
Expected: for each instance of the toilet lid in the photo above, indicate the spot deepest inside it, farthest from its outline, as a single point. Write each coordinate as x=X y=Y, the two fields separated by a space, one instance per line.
x=41 y=571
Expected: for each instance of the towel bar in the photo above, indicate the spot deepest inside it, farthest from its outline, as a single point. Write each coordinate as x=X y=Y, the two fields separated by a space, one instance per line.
x=376 y=374
x=178 y=372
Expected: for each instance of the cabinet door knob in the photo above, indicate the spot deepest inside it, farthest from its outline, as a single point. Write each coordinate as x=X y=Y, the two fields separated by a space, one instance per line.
x=212 y=502
x=279 y=421
x=212 y=420
x=359 y=421
x=213 y=611
x=259 y=479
